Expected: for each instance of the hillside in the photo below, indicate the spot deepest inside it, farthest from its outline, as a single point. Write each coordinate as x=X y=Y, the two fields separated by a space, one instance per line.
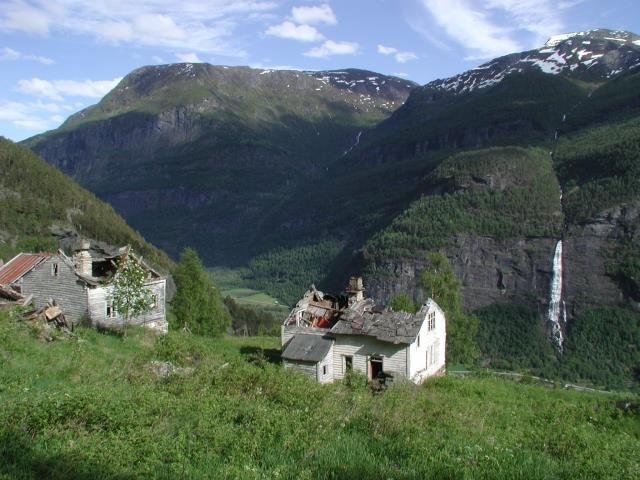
x=200 y=154
x=40 y=206
x=97 y=406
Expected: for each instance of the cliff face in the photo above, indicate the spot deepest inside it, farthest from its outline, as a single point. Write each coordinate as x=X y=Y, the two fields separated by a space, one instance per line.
x=519 y=270
x=490 y=271
x=591 y=250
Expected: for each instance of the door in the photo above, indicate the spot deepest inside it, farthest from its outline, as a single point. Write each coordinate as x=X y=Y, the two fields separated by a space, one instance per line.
x=375 y=367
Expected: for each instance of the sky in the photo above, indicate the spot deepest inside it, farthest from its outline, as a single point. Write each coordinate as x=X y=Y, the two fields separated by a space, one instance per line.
x=59 y=56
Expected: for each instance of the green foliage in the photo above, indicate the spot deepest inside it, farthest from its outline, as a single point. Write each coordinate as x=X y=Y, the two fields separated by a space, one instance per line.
x=251 y=321
x=599 y=168
x=131 y=297
x=512 y=337
x=440 y=283
x=402 y=303
x=603 y=347
x=35 y=196
x=497 y=192
x=93 y=407
x=286 y=273
x=197 y=304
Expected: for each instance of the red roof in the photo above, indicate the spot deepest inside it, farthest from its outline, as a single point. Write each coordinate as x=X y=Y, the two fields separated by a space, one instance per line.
x=19 y=265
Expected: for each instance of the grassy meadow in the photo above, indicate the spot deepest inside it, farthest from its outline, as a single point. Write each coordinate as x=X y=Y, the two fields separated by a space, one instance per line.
x=93 y=406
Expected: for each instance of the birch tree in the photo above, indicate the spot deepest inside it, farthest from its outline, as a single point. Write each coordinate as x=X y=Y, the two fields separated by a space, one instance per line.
x=131 y=297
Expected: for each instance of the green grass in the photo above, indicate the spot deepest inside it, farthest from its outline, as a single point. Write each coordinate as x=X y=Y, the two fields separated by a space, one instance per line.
x=249 y=296
x=90 y=407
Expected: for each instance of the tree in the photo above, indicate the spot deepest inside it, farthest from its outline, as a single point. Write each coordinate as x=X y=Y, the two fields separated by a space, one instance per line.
x=197 y=303
x=441 y=284
x=131 y=297
x=402 y=303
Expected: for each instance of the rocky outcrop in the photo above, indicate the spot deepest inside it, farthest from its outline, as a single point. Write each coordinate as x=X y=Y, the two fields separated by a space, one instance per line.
x=490 y=271
x=89 y=152
x=520 y=270
x=591 y=252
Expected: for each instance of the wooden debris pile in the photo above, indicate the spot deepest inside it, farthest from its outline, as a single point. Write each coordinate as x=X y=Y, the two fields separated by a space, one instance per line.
x=49 y=320
x=9 y=297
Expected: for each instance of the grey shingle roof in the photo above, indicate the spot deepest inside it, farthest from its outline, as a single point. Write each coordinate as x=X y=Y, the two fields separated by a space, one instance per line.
x=393 y=327
x=307 y=348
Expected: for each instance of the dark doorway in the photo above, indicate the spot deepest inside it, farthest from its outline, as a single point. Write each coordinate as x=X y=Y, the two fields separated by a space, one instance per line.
x=348 y=363
x=375 y=368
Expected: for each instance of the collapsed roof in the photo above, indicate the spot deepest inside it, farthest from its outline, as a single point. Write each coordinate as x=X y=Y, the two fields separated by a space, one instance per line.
x=353 y=316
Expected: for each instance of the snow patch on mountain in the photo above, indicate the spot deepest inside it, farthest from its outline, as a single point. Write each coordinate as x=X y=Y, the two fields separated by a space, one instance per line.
x=612 y=52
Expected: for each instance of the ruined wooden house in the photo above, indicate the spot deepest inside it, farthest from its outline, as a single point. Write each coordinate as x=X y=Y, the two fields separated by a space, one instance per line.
x=325 y=336
x=82 y=285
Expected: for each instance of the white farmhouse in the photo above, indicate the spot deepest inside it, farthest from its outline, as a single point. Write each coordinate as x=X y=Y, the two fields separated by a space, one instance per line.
x=325 y=336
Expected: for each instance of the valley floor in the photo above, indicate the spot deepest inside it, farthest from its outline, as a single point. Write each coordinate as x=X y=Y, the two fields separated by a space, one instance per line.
x=100 y=406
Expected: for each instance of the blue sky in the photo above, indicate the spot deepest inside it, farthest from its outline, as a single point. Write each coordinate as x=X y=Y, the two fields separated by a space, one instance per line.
x=59 y=56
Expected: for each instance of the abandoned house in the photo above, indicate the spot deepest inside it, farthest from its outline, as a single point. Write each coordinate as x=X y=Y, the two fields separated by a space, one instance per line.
x=82 y=285
x=325 y=336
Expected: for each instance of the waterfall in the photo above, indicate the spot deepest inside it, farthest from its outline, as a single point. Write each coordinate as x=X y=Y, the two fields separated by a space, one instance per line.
x=557 y=309
x=357 y=141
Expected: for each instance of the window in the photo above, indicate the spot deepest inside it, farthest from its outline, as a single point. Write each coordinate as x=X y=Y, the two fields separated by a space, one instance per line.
x=431 y=321
x=418 y=341
x=324 y=370
x=54 y=269
x=111 y=312
x=154 y=301
x=432 y=354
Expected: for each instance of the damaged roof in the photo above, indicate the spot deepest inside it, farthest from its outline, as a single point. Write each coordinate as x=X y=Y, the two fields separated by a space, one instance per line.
x=20 y=265
x=387 y=326
x=307 y=348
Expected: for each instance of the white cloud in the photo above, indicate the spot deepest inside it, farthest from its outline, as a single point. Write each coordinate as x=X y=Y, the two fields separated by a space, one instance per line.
x=471 y=28
x=16 y=15
x=330 y=48
x=404 y=57
x=386 y=50
x=401 y=57
x=539 y=17
x=58 y=89
x=150 y=26
x=491 y=28
x=314 y=15
x=302 y=33
x=188 y=57
x=189 y=25
x=31 y=116
x=267 y=66
x=10 y=54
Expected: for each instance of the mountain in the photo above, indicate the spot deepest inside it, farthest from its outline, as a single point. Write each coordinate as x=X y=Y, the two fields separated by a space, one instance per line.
x=41 y=209
x=199 y=155
x=523 y=172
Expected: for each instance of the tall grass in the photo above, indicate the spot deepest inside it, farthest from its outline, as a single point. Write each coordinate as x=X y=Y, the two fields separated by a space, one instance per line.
x=92 y=407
